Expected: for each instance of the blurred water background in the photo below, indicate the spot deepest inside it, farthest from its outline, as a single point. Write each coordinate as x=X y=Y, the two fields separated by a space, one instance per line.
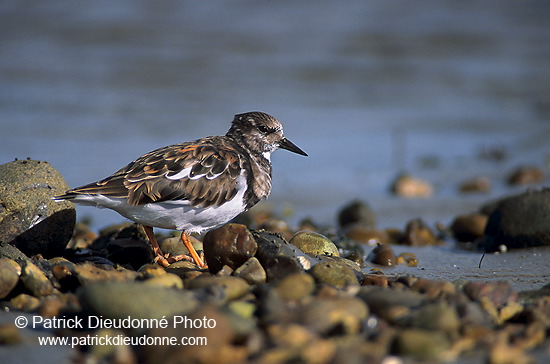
x=368 y=88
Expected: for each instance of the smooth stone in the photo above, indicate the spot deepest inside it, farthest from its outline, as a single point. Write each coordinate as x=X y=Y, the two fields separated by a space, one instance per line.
x=278 y=257
x=314 y=243
x=230 y=244
x=35 y=280
x=25 y=302
x=11 y=252
x=29 y=218
x=335 y=273
x=295 y=286
x=417 y=233
x=130 y=252
x=174 y=245
x=408 y=259
x=519 y=221
x=390 y=304
x=9 y=276
x=357 y=212
x=233 y=287
x=432 y=288
x=220 y=348
x=526 y=175
x=166 y=280
x=136 y=300
x=88 y=273
x=436 y=316
x=478 y=184
x=408 y=186
x=469 y=227
x=382 y=254
x=337 y=315
x=500 y=293
x=252 y=272
x=421 y=344
x=366 y=234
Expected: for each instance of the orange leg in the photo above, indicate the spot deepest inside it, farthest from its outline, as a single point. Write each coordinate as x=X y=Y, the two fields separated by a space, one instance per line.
x=164 y=260
x=187 y=242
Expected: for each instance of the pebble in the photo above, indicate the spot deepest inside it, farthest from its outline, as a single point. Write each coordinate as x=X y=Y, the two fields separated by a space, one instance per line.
x=335 y=273
x=366 y=235
x=230 y=244
x=439 y=316
x=232 y=287
x=278 y=257
x=338 y=315
x=357 y=212
x=408 y=259
x=252 y=272
x=166 y=280
x=411 y=187
x=382 y=254
x=118 y=300
x=295 y=286
x=34 y=280
x=29 y=218
x=526 y=175
x=469 y=227
x=417 y=233
x=88 y=273
x=9 y=276
x=314 y=243
x=478 y=184
x=421 y=344
x=519 y=221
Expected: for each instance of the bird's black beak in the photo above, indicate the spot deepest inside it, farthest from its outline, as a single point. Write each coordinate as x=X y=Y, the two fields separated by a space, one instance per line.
x=288 y=145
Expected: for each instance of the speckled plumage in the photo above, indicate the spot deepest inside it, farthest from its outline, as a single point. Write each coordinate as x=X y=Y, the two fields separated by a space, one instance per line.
x=194 y=186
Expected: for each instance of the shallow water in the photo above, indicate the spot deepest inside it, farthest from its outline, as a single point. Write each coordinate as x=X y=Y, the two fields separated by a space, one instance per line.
x=369 y=89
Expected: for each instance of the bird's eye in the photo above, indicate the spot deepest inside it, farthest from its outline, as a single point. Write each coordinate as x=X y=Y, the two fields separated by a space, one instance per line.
x=266 y=130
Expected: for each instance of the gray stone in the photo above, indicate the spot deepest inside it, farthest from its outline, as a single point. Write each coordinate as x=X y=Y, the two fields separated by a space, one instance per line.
x=29 y=218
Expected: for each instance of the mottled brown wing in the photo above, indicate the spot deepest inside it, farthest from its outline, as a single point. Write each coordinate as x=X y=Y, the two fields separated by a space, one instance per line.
x=161 y=175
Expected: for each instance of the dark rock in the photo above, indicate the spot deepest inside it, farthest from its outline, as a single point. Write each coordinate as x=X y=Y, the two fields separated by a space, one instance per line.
x=390 y=304
x=314 y=243
x=357 y=212
x=519 y=221
x=29 y=218
x=382 y=254
x=278 y=257
x=11 y=252
x=231 y=245
x=130 y=252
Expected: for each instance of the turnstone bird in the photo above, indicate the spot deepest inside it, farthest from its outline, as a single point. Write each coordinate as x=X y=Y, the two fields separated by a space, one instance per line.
x=193 y=186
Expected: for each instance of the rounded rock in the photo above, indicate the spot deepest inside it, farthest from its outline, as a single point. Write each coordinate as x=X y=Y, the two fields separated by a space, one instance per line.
x=334 y=273
x=519 y=221
x=29 y=218
x=9 y=276
x=469 y=227
x=314 y=243
x=382 y=254
x=365 y=234
x=357 y=212
x=295 y=286
x=118 y=300
x=411 y=187
x=417 y=233
x=231 y=245
x=251 y=271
